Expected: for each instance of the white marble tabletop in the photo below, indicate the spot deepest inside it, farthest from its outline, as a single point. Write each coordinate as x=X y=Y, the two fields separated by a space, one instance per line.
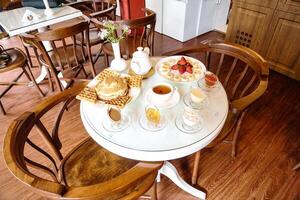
x=11 y=20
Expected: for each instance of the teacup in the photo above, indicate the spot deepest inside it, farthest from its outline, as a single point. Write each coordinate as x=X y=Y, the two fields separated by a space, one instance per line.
x=162 y=92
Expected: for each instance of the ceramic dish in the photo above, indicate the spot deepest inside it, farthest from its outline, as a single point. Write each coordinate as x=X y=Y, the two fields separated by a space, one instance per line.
x=163 y=104
x=163 y=68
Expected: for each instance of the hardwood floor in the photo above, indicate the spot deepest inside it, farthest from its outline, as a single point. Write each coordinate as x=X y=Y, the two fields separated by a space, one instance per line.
x=268 y=148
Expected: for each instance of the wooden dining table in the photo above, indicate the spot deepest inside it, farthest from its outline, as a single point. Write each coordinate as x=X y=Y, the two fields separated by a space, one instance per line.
x=167 y=144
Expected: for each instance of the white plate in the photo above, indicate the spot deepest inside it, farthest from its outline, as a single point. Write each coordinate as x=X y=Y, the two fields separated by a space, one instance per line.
x=173 y=60
x=163 y=104
x=133 y=92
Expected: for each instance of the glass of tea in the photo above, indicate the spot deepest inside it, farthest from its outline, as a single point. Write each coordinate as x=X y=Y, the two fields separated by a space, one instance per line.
x=152 y=120
x=152 y=114
x=115 y=116
x=117 y=120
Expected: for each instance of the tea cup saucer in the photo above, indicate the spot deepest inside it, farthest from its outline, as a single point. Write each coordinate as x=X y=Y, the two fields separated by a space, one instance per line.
x=163 y=104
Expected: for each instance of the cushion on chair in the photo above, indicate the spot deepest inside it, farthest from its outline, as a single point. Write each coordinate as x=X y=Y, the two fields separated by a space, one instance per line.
x=91 y=164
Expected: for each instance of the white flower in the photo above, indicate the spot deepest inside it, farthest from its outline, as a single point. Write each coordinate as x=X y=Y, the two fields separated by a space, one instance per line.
x=125 y=28
x=103 y=34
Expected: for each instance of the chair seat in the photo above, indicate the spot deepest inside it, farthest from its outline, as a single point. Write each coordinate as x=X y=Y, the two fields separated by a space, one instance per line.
x=17 y=60
x=63 y=58
x=90 y=164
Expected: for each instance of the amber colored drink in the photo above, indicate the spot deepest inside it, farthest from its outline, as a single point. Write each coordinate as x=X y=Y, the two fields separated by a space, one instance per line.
x=153 y=115
x=161 y=89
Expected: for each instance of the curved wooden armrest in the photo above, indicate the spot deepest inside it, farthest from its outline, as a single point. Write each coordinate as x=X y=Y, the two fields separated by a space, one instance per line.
x=118 y=184
x=244 y=102
x=187 y=50
x=14 y=163
x=103 y=13
x=81 y=5
x=46 y=105
x=97 y=23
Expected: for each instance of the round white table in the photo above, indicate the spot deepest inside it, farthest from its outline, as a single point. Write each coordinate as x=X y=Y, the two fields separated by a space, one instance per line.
x=167 y=144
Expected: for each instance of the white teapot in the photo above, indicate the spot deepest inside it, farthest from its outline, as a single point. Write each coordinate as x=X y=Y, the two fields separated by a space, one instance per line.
x=140 y=62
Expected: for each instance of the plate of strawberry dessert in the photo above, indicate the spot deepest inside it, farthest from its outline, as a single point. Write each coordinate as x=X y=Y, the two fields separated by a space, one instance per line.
x=180 y=69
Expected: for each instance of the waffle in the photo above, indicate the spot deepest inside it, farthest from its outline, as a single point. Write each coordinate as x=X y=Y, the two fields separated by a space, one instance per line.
x=120 y=101
x=88 y=94
x=106 y=73
x=134 y=81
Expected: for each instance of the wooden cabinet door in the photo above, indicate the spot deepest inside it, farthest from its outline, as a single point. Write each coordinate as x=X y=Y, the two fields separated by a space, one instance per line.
x=283 y=45
x=248 y=25
x=264 y=3
x=292 y=6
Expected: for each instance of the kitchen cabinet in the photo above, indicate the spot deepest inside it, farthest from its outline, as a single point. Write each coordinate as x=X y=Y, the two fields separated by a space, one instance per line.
x=273 y=30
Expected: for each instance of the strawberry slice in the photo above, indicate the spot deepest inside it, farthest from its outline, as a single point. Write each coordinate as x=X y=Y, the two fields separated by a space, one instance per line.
x=182 y=69
x=182 y=61
x=189 y=65
x=189 y=69
x=175 y=67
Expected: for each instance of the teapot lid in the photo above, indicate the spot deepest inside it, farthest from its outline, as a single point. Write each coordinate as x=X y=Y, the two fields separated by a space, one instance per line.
x=140 y=53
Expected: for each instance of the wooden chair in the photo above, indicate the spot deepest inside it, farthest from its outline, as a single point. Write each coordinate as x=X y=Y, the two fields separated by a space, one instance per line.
x=28 y=46
x=142 y=34
x=101 y=10
x=243 y=73
x=67 y=55
x=18 y=60
x=87 y=171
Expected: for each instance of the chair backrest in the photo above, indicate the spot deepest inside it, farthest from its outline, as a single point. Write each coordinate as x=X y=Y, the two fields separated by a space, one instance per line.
x=46 y=176
x=66 y=39
x=86 y=7
x=243 y=72
x=101 y=5
x=18 y=139
x=142 y=32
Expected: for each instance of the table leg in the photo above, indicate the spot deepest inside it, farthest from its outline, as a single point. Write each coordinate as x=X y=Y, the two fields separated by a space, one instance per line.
x=41 y=77
x=170 y=171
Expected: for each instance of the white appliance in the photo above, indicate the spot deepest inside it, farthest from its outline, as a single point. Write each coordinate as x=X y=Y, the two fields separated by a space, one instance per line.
x=186 y=19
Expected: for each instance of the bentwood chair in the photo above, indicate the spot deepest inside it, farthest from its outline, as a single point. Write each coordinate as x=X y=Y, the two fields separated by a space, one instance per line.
x=86 y=171
x=101 y=10
x=244 y=75
x=17 y=60
x=142 y=34
x=67 y=55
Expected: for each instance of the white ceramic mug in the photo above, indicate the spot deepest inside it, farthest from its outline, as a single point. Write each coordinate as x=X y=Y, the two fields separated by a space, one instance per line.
x=158 y=97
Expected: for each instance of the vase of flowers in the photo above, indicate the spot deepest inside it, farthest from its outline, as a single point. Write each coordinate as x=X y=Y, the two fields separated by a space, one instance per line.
x=114 y=33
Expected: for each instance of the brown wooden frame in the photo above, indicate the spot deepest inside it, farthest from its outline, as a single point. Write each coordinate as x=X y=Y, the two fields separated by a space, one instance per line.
x=129 y=185
x=238 y=104
x=19 y=61
x=100 y=10
x=145 y=25
x=60 y=35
